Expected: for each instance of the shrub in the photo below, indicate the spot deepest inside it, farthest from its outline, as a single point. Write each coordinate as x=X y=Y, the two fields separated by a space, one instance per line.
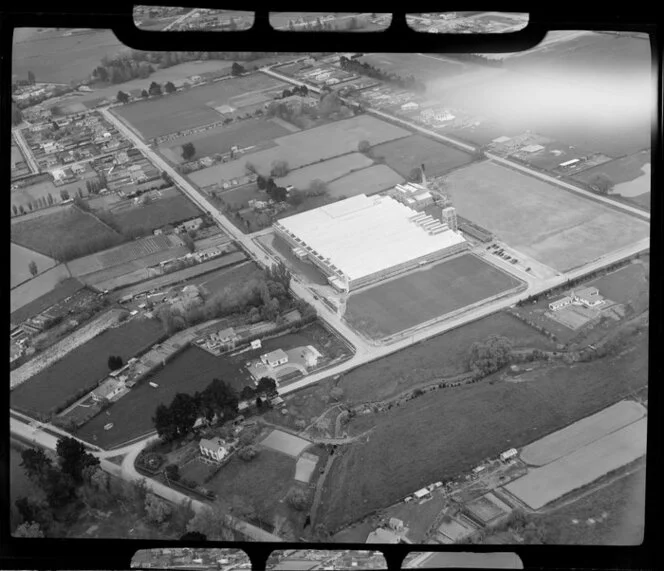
x=247 y=453
x=298 y=499
x=173 y=472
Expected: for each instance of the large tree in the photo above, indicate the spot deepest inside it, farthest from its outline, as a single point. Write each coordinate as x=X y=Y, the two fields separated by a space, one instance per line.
x=237 y=69
x=32 y=266
x=154 y=89
x=214 y=523
x=170 y=87
x=28 y=529
x=36 y=464
x=74 y=458
x=266 y=386
x=491 y=355
x=31 y=78
x=601 y=183
x=188 y=151
x=122 y=97
x=279 y=168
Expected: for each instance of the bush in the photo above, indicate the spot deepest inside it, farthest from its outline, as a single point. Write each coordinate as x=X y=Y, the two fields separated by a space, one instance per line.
x=173 y=472
x=247 y=453
x=298 y=499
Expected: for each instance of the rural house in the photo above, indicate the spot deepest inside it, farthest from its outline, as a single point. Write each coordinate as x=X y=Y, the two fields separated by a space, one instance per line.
x=275 y=358
x=224 y=339
x=107 y=390
x=214 y=448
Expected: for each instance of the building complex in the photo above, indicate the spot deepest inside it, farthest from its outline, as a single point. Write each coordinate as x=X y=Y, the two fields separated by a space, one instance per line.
x=361 y=240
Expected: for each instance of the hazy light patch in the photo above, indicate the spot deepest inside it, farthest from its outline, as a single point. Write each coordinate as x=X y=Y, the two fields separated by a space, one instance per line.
x=635 y=187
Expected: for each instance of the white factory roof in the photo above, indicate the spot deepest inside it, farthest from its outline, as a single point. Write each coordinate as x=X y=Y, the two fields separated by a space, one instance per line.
x=363 y=235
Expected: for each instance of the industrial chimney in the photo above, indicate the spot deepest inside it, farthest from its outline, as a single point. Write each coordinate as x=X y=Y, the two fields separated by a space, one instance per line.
x=424 y=178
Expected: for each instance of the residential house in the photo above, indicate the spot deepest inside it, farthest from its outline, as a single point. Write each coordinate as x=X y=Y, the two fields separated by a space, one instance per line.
x=224 y=339
x=275 y=358
x=588 y=296
x=193 y=224
x=410 y=106
x=214 y=448
x=560 y=303
x=50 y=147
x=78 y=168
x=58 y=175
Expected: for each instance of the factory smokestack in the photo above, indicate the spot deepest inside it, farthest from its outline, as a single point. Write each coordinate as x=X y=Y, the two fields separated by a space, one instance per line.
x=424 y=177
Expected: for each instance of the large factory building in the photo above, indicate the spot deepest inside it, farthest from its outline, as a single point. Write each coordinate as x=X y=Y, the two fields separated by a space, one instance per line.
x=362 y=240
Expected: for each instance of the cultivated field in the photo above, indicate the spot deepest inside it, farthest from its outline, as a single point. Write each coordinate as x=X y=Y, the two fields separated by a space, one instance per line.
x=60 y=349
x=53 y=56
x=85 y=366
x=306 y=147
x=247 y=133
x=425 y=294
x=31 y=290
x=57 y=231
x=20 y=259
x=156 y=214
x=470 y=423
x=581 y=467
x=326 y=171
x=552 y=225
x=192 y=108
x=366 y=181
x=126 y=253
x=582 y=433
x=408 y=153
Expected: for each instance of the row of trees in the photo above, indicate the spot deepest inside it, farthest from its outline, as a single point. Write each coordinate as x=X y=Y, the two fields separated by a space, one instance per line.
x=476 y=58
x=218 y=401
x=355 y=66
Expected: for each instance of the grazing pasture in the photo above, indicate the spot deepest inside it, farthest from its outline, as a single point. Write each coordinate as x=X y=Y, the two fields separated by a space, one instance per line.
x=326 y=171
x=20 y=259
x=554 y=226
x=403 y=155
x=156 y=214
x=366 y=181
x=194 y=107
x=307 y=147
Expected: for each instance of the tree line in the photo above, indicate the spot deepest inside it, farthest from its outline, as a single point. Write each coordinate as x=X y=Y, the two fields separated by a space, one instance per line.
x=355 y=66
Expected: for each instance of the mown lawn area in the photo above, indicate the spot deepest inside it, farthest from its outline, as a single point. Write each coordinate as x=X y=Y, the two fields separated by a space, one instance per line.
x=451 y=430
x=84 y=366
x=61 y=230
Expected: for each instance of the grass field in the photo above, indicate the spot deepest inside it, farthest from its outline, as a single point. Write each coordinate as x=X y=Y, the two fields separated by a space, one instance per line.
x=35 y=288
x=470 y=423
x=425 y=294
x=45 y=186
x=552 y=225
x=423 y=67
x=20 y=259
x=443 y=356
x=326 y=171
x=306 y=147
x=581 y=467
x=366 y=181
x=581 y=433
x=84 y=366
x=157 y=214
x=623 y=504
x=192 y=108
x=246 y=133
x=408 y=153
x=54 y=57
x=59 y=230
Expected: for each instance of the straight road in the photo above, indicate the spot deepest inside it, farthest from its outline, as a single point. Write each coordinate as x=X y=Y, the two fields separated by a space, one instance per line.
x=25 y=149
x=179 y=21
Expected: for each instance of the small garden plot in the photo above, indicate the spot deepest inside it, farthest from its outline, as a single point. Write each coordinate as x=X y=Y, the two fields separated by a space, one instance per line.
x=403 y=155
x=68 y=233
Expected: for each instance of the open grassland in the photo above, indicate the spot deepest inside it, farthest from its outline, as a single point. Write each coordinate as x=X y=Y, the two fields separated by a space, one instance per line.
x=307 y=147
x=442 y=356
x=157 y=214
x=425 y=294
x=468 y=423
x=582 y=433
x=423 y=66
x=366 y=181
x=192 y=108
x=618 y=511
x=326 y=171
x=32 y=290
x=552 y=225
x=403 y=155
x=56 y=57
x=248 y=133
x=543 y=485
x=84 y=366
x=60 y=230
x=20 y=259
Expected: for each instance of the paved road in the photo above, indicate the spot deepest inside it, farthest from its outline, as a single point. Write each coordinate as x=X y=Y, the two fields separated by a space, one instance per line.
x=179 y=20
x=25 y=149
